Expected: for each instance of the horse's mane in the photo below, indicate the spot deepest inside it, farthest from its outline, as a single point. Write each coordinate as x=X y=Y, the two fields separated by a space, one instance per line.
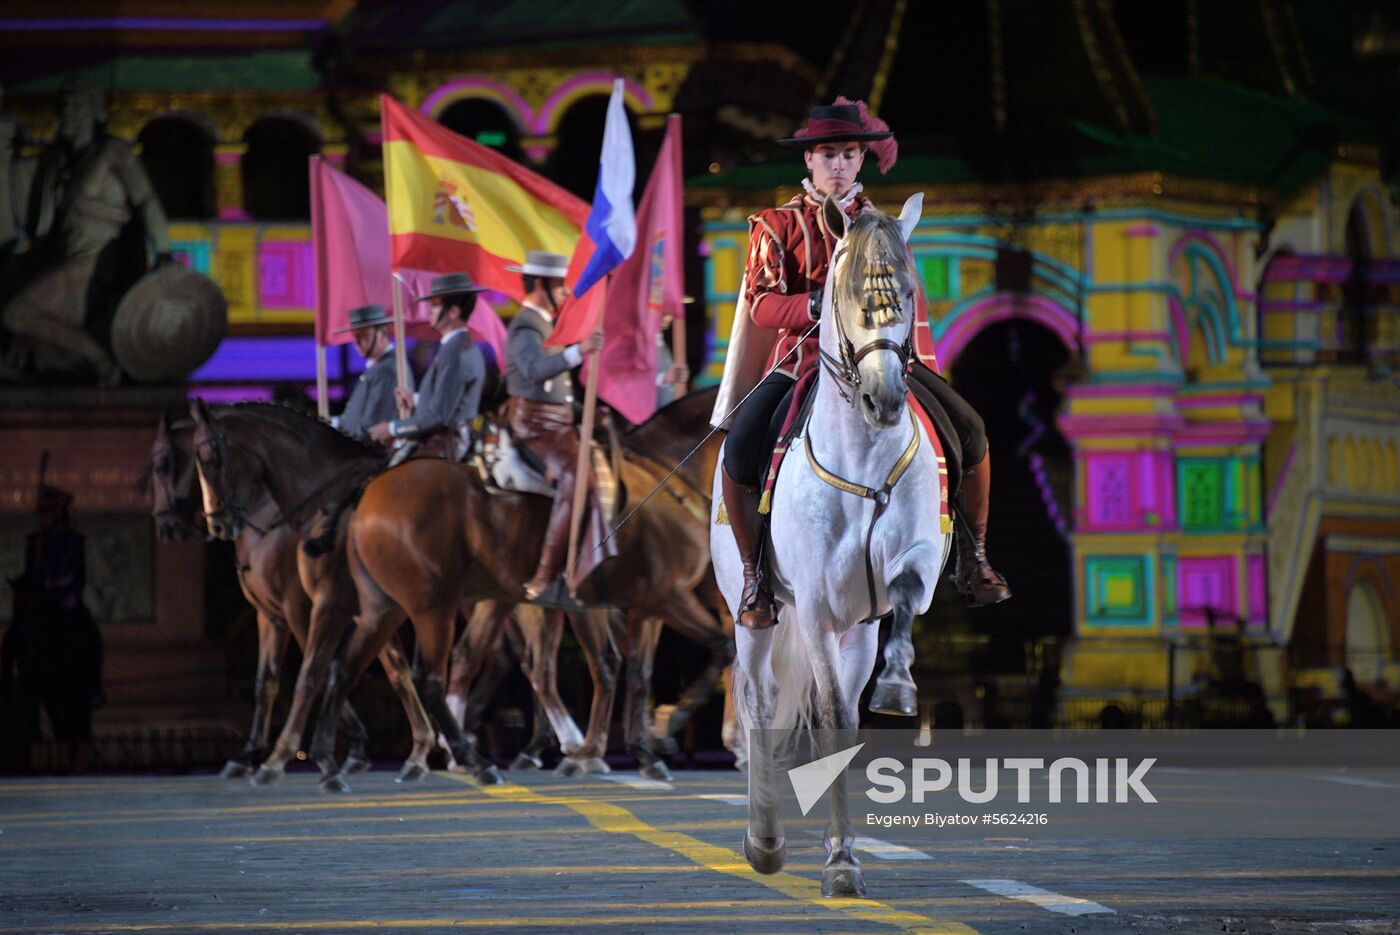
x=874 y=237
x=296 y=421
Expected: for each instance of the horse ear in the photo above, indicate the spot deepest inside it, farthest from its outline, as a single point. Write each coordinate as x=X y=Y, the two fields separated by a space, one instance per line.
x=909 y=216
x=835 y=218
x=163 y=427
x=199 y=411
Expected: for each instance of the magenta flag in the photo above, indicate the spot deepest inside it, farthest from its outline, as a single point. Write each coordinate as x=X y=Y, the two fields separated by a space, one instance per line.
x=646 y=287
x=350 y=236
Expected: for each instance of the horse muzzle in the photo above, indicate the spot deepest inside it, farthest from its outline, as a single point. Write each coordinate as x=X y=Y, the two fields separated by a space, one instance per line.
x=881 y=410
x=223 y=525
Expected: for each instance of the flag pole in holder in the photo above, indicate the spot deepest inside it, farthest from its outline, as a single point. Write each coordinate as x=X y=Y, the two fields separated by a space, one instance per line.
x=582 y=474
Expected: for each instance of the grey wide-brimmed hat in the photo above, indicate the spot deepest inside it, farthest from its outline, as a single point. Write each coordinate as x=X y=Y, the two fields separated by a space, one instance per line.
x=542 y=263
x=451 y=284
x=366 y=316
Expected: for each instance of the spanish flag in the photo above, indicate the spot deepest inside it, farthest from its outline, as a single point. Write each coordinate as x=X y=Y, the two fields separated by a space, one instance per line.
x=458 y=206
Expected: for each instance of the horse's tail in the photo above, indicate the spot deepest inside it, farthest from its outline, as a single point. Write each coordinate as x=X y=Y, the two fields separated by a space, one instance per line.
x=323 y=542
x=792 y=674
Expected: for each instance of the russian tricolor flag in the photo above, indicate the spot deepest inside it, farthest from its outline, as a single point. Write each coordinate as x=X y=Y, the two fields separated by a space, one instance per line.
x=611 y=225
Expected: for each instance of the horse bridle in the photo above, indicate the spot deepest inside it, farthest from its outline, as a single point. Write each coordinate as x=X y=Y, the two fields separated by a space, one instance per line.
x=212 y=435
x=237 y=510
x=845 y=369
x=176 y=507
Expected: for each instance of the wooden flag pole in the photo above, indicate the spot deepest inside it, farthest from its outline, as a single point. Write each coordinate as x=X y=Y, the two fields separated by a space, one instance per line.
x=678 y=355
x=323 y=402
x=585 y=447
x=400 y=343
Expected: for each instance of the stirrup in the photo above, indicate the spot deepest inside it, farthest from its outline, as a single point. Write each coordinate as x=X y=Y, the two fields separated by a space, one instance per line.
x=557 y=596
x=759 y=594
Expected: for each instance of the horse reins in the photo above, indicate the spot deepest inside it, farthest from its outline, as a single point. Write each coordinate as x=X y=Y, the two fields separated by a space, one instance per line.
x=237 y=510
x=880 y=496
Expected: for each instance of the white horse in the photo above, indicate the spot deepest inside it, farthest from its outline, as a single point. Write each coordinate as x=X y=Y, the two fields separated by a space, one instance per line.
x=855 y=533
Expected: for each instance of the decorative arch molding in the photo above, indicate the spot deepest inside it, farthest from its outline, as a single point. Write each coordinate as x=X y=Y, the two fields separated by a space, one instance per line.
x=970 y=318
x=1216 y=308
x=1370 y=200
x=545 y=120
x=486 y=88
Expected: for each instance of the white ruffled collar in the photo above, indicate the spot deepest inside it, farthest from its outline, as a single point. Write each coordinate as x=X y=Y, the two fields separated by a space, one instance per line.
x=843 y=202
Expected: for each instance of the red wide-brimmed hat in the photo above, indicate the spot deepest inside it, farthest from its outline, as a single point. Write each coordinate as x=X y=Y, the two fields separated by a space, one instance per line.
x=847 y=121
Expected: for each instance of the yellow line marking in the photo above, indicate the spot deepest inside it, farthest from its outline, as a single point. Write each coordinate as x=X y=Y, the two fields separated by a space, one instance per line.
x=615 y=819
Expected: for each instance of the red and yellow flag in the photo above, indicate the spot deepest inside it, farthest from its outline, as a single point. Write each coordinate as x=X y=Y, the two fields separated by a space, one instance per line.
x=455 y=205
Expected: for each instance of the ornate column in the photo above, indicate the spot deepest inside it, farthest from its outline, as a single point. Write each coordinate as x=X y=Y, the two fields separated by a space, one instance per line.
x=228 y=180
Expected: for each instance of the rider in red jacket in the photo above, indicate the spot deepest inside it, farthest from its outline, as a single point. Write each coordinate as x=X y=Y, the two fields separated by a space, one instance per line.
x=789 y=257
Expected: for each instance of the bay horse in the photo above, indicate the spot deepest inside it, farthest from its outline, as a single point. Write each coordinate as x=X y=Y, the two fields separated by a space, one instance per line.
x=855 y=534
x=669 y=438
x=327 y=466
x=266 y=566
x=428 y=535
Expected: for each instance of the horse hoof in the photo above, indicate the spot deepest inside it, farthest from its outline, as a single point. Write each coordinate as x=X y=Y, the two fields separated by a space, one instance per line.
x=411 y=772
x=765 y=855
x=355 y=763
x=526 y=761
x=897 y=698
x=267 y=775
x=845 y=880
x=572 y=766
x=335 y=783
x=658 y=770
x=235 y=769
x=490 y=776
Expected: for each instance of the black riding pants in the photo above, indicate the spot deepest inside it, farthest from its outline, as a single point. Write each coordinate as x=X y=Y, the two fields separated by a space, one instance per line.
x=966 y=422
x=760 y=419
x=755 y=430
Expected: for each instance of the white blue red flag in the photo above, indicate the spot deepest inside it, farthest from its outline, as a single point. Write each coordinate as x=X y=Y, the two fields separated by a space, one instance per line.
x=611 y=226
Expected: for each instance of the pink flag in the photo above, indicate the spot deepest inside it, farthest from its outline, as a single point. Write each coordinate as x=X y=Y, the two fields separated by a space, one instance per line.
x=350 y=236
x=647 y=286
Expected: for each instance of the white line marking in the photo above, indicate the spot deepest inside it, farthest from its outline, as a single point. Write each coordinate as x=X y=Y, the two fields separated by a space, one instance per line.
x=1066 y=905
x=1358 y=781
x=636 y=782
x=887 y=851
x=740 y=801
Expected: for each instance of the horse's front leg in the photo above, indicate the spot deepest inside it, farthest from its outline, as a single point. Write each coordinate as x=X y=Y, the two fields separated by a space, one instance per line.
x=764 y=845
x=594 y=634
x=535 y=635
x=328 y=624
x=272 y=649
x=895 y=691
x=837 y=723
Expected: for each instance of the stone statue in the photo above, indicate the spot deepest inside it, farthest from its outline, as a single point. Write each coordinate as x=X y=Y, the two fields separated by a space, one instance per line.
x=86 y=212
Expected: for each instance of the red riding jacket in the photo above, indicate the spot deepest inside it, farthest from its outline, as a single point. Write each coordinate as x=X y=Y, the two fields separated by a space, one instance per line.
x=789 y=257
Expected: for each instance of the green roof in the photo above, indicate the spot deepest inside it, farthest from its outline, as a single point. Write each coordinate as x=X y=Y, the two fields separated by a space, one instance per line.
x=252 y=71
x=1206 y=129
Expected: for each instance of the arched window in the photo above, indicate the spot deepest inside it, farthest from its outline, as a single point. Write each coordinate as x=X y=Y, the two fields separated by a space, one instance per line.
x=276 y=181
x=1357 y=321
x=178 y=155
x=486 y=122
x=1367 y=638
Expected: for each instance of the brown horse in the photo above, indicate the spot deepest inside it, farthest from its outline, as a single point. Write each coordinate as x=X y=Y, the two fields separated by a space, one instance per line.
x=427 y=536
x=267 y=575
x=663 y=441
x=326 y=592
